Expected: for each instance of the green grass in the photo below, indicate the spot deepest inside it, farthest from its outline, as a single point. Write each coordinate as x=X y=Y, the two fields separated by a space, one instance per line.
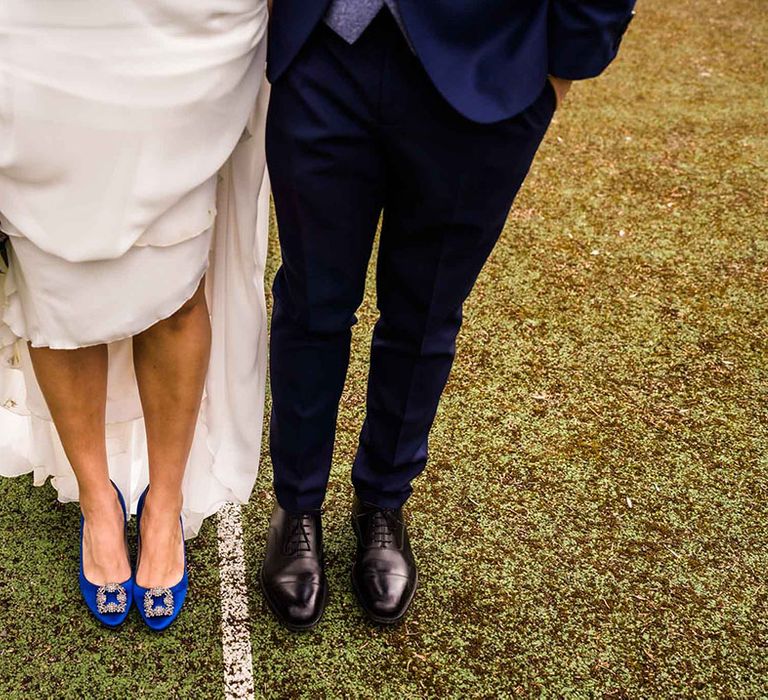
x=593 y=522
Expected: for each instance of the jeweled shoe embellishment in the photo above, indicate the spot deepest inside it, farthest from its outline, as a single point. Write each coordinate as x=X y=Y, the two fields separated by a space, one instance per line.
x=152 y=595
x=112 y=606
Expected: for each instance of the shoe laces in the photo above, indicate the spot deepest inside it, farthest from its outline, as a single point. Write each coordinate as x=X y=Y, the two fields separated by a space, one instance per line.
x=298 y=534
x=384 y=524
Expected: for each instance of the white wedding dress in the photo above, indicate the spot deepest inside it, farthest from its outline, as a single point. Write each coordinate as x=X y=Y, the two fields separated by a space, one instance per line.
x=131 y=164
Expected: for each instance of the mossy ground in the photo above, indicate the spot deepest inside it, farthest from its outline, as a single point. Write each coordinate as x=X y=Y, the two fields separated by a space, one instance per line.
x=593 y=520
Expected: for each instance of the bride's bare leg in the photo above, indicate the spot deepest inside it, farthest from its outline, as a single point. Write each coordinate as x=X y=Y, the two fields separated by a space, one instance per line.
x=171 y=361
x=74 y=383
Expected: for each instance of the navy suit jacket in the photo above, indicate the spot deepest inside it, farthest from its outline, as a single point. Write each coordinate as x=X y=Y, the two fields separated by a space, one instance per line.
x=489 y=58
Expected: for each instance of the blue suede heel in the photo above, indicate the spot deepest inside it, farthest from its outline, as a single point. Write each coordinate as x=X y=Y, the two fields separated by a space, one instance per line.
x=158 y=607
x=110 y=603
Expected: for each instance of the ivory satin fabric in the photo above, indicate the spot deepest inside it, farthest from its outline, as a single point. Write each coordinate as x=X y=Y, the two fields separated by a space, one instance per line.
x=131 y=164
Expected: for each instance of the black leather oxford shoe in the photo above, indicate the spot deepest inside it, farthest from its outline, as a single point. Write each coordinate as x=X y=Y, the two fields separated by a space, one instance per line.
x=384 y=575
x=293 y=575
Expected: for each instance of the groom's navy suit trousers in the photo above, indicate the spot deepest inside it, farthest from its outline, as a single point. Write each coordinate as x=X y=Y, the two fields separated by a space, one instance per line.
x=354 y=132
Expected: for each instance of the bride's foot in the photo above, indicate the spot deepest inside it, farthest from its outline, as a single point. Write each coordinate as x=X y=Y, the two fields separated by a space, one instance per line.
x=161 y=560
x=105 y=555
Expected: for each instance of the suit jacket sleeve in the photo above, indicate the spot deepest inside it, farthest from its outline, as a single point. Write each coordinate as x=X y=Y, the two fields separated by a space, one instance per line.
x=584 y=35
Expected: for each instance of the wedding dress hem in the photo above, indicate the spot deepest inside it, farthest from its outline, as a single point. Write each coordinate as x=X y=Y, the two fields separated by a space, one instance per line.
x=162 y=313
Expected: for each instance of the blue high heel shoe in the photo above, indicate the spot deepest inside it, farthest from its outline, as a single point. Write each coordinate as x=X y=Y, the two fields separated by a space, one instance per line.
x=158 y=607
x=110 y=603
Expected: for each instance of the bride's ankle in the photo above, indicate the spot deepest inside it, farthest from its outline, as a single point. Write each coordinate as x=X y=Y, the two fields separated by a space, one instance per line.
x=163 y=504
x=99 y=503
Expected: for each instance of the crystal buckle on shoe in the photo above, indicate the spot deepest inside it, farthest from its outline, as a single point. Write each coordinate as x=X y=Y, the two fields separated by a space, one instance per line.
x=113 y=606
x=151 y=596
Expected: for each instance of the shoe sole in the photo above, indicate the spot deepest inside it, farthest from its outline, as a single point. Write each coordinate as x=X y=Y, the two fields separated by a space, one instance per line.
x=290 y=625
x=378 y=619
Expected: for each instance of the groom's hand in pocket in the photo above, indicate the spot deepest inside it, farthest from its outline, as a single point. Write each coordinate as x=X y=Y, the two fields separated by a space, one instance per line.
x=561 y=87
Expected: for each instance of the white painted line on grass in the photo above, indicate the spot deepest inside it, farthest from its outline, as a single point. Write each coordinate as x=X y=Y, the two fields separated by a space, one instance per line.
x=235 y=635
